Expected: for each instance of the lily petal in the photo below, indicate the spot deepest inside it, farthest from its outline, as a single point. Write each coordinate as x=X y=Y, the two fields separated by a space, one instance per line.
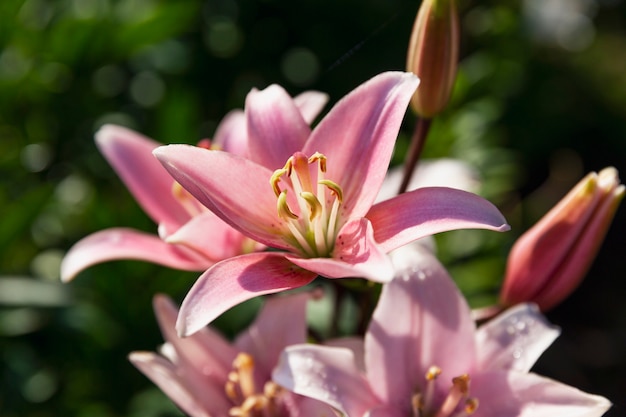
x=513 y=394
x=163 y=373
x=421 y=320
x=310 y=104
x=276 y=128
x=358 y=136
x=356 y=254
x=122 y=243
x=130 y=154
x=515 y=339
x=246 y=202
x=234 y=281
x=327 y=374
x=211 y=236
x=231 y=134
x=281 y=322
x=431 y=210
x=207 y=351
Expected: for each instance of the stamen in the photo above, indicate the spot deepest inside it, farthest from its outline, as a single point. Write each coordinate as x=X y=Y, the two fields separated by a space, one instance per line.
x=429 y=392
x=471 y=405
x=244 y=365
x=334 y=188
x=417 y=405
x=283 y=208
x=275 y=179
x=460 y=388
x=314 y=204
x=319 y=157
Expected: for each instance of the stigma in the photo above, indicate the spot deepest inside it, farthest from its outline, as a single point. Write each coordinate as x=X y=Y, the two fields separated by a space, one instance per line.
x=312 y=214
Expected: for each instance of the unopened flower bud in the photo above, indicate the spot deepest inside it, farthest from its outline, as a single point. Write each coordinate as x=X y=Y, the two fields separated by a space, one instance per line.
x=549 y=261
x=433 y=55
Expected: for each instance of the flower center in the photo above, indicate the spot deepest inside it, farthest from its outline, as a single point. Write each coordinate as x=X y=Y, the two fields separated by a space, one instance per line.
x=242 y=391
x=312 y=217
x=457 y=403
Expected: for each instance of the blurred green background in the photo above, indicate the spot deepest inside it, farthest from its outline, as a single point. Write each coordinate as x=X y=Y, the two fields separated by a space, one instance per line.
x=540 y=100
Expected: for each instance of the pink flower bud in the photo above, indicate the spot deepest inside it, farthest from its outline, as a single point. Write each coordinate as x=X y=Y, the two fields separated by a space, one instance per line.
x=433 y=55
x=549 y=261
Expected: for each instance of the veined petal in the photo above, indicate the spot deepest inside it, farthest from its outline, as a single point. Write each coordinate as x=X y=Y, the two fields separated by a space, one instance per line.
x=234 y=281
x=356 y=254
x=421 y=320
x=358 y=136
x=431 y=210
x=276 y=128
x=515 y=394
x=206 y=351
x=121 y=243
x=234 y=188
x=281 y=322
x=515 y=339
x=164 y=374
x=231 y=134
x=310 y=104
x=130 y=154
x=211 y=236
x=327 y=374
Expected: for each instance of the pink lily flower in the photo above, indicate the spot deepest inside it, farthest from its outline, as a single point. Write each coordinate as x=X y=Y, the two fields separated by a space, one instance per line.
x=208 y=377
x=190 y=236
x=424 y=357
x=317 y=207
x=549 y=261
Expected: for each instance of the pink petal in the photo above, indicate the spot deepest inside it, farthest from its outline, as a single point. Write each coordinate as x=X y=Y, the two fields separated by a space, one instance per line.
x=356 y=254
x=443 y=172
x=234 y=188
x=130 y=154
x=310 y=104
x=231 y=134
x=355 y=344
x=120 y=243
x=431 y=210
x=206 y=351
x=358 y=135
x=281 y=322
x=234 y=281
x=421 y=320
x=515 y=339
x=276 y=129
x=513 y=394
x=211 y=236
x=327 y=374
x=197 y=401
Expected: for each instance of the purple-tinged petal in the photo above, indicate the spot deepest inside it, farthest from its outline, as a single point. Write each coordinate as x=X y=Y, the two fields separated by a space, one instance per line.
x=281 y=322
x=310 y=104
x=234 y=281
x=207 y=352
x=358 y=136
x=210 y=402
x=421 y=320
x=130 y=154
x=515 y=394
x=431 y=210
x=276 y=128
x=121 y=243
x=234 y=188
x=231 y=134
x=356 y=254
x=515 y=339
x=327 y=374
x=444 y=172
x=211 y=236
x=355 y=344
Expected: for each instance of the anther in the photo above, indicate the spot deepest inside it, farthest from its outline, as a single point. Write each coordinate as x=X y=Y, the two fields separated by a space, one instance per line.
x=283 y=208
x=334 y=188
x=314 y=204
x=319 y=157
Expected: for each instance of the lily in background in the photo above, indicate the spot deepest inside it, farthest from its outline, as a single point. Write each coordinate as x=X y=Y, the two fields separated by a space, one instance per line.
x=317 y=205
x=548 y=262
x=424 y=357
x=190 y=237
x=208 y=377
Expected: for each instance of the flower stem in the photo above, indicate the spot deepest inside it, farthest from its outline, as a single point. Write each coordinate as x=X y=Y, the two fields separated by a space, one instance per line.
x=415 y=149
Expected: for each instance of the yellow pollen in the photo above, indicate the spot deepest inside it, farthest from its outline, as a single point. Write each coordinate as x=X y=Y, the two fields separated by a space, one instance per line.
x=462 y=383
x=433 y=373
x=471 y=404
